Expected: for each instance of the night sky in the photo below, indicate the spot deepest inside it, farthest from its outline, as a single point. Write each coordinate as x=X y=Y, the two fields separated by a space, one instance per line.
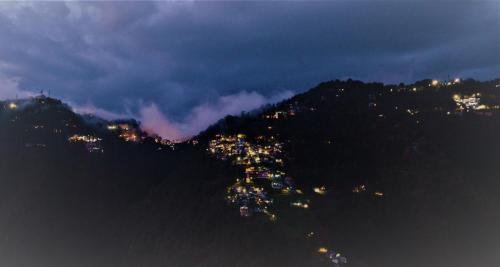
x=178 y=67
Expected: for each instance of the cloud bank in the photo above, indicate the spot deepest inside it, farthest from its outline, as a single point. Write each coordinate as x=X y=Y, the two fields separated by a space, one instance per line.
x=154 y=121
x=186 y=57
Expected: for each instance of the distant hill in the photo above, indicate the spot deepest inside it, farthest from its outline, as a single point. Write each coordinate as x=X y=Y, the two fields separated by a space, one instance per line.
x=385 y=175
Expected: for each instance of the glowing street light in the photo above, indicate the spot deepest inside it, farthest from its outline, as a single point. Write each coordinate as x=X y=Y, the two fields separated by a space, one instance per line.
x=12 y=105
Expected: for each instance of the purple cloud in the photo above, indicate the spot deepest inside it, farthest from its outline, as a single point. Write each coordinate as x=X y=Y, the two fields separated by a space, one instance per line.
x=185 y=56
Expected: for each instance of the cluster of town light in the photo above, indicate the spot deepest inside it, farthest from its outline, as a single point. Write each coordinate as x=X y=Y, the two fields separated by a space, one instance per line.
x=263 y=162
x=437 y=83
x=469 y=102
x=92 y=143
x=263 y=167
x=84 y=138
x=127 y=133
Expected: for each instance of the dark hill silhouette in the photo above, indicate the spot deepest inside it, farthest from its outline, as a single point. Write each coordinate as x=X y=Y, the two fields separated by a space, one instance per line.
x=100 y=200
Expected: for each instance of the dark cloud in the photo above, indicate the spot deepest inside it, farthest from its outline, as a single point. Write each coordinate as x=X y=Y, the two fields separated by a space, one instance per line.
x=178 y=56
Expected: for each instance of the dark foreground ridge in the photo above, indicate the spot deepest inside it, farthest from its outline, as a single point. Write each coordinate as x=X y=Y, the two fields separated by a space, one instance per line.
x=383 y=175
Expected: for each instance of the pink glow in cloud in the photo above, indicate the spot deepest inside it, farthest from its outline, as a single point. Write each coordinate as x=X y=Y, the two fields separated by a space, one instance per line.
x=154 y=121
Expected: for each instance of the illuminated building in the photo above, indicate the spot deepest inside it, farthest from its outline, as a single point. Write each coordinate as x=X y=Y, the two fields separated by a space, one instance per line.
x=320 y=190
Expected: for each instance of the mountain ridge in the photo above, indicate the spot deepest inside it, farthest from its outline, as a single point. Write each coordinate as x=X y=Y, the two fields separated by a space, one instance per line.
x=346 y=167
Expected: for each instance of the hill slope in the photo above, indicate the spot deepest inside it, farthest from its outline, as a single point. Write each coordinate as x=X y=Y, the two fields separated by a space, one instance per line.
x=386 y=175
